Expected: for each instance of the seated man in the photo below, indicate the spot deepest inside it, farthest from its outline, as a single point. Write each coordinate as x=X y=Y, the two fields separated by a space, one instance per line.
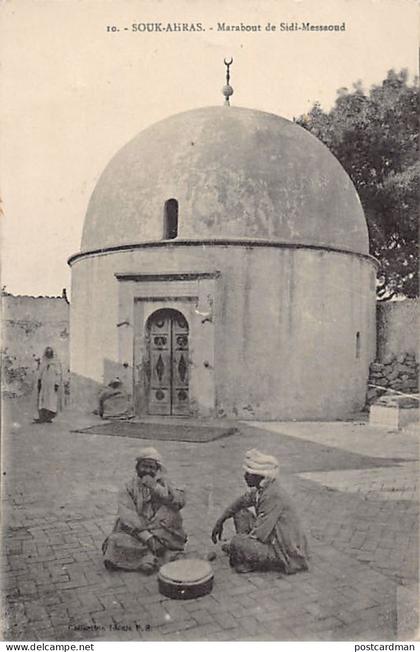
x=114 y=402
x=272 y=537
x=148 y=531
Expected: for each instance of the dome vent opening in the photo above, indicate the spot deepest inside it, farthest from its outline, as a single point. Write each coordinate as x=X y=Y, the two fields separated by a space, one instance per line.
x=170 y=220
x=358 y=344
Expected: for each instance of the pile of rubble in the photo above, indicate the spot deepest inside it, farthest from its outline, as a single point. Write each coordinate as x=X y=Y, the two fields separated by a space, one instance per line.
x=400 y=373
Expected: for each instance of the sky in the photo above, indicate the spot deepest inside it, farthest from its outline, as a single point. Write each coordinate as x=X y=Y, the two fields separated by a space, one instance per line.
x=73 y=93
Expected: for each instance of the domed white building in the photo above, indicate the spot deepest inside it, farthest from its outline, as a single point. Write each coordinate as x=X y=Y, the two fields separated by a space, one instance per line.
x=224 y=271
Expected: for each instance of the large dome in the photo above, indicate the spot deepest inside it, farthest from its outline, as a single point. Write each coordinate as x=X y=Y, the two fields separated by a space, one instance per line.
x=236 y=174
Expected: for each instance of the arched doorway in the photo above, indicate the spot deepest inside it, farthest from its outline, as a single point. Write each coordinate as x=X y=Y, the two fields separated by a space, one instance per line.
x=168 y=363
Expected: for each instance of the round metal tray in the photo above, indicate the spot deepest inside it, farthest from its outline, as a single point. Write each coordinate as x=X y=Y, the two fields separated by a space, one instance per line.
x=185 y=579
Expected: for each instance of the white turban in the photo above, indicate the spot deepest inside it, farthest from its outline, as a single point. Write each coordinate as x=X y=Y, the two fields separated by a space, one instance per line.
x=149 y=453
x=260 y=464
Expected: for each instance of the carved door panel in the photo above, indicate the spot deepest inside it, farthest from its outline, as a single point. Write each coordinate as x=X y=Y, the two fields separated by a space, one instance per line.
x=160 y=366
x=168 y=356
x=180 y=404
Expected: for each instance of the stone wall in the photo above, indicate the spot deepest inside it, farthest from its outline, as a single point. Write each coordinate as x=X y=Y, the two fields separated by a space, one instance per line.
x=398 y=374
x=395 y=371
x=29 y=324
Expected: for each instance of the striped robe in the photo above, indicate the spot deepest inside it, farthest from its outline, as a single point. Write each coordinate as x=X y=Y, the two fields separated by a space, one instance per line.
x=143 y=513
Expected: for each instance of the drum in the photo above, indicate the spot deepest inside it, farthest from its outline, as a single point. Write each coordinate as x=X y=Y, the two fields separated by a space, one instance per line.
x=185 y=579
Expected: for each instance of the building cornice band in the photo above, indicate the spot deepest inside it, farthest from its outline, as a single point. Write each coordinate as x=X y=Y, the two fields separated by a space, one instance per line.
x=223 y=242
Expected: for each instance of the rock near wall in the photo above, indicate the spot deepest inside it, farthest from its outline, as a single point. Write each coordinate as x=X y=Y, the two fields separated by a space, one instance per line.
x=398 y=373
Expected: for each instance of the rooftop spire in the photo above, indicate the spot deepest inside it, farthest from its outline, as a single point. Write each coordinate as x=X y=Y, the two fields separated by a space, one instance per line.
x=227 y=90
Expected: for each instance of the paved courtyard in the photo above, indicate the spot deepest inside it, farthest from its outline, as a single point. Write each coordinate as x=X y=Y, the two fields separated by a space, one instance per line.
x=354 y=486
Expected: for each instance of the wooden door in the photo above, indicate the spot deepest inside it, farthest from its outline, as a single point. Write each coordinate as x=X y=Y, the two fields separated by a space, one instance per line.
x=168 y=354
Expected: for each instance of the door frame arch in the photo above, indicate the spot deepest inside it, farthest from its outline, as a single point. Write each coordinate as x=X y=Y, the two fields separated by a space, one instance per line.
x=194 y=294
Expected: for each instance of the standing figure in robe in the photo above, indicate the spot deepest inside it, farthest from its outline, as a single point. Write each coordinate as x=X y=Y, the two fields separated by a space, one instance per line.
x=148 y=531
x=270 y=536
x=49 y=385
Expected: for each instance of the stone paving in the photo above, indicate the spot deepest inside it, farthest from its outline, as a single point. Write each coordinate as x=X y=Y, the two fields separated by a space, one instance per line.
x=355 y=488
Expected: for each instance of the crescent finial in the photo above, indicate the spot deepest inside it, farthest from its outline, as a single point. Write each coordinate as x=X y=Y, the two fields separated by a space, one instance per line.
x=227 y=90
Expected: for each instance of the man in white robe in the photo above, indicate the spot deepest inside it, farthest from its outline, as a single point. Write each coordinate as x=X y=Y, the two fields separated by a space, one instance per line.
x=49 y=384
